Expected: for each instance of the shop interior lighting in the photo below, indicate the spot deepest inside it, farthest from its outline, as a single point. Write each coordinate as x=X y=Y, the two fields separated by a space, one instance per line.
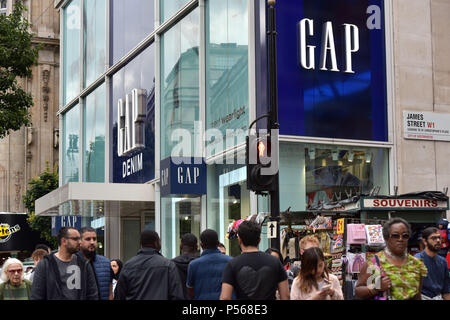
x=369 y=158
x=351 y=155
x=312 y=153
x=335 y=155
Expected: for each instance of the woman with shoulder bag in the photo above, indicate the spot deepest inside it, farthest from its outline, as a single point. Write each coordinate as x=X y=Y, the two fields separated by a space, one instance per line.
x=392 y=273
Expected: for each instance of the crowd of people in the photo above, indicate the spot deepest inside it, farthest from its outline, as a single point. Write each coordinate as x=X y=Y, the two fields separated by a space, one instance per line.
x=77 y=272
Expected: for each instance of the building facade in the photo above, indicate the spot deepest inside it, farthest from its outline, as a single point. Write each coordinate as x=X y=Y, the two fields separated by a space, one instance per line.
x=25 y=154
x=157 y=97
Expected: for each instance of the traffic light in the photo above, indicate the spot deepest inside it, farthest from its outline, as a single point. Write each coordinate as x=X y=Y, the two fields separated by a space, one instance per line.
x=259 y=157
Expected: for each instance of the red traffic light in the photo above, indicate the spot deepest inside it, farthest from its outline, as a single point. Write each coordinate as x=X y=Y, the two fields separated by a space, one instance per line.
x=262 y=149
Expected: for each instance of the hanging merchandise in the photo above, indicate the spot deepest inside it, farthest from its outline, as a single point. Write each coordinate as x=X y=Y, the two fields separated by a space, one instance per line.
x=355 y=262
x=356 y=234
x=325 y=242
x=233 y=227
x=374 y=235
x=321 y=223
x=337 y=244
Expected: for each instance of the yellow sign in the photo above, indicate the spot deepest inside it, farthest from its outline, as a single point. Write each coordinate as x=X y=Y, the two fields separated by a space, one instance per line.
x=6 y=231
x=340 y=226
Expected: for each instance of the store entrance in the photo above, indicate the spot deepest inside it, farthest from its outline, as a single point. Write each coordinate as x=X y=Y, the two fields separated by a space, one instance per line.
x=135 y=218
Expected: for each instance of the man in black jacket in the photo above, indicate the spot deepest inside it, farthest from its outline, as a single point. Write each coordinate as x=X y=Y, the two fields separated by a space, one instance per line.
x=149 y=276
x=189 y=252
x=63 y=275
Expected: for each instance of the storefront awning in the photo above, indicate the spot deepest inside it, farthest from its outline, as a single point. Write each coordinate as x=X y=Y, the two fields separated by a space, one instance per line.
x=83 y=199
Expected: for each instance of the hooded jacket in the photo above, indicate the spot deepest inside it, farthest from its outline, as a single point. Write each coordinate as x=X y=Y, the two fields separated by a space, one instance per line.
x=47 y=282
x=149 y=276
x=182 y=263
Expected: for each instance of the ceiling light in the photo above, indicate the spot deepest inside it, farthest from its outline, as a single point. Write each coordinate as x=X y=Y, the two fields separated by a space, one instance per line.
x=350 y=156
x=312 y=153
x=334 y=155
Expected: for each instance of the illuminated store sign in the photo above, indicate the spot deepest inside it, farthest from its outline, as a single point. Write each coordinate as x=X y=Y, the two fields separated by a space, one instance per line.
x=331 y=68
x=328 y=46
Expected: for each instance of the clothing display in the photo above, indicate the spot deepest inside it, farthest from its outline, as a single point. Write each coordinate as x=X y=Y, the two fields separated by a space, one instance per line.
x=374 y=235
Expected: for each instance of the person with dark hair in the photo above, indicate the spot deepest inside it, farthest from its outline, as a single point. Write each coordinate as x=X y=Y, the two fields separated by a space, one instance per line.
x=64 y=275
x=204 y=276
x=116 y=266
x=189 y=252
x=392 y=273
x=43 y=247
x=314 y=282
x=148 y=275
x=276 y=253
x=101 y=265
x=254 y=275
x=222 y=248
x=436 y=285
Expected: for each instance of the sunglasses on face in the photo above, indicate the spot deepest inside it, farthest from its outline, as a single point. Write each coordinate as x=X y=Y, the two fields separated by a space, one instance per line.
x=19 y=271
x=398 y=236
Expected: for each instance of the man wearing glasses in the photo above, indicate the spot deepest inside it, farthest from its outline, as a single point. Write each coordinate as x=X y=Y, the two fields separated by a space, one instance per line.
x=64 y=275
x=436 y=285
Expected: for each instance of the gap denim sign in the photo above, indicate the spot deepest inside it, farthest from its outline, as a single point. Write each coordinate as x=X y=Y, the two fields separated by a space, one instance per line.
x=331 y=69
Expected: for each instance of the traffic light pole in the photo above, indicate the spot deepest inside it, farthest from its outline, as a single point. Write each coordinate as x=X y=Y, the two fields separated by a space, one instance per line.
x=273 y=119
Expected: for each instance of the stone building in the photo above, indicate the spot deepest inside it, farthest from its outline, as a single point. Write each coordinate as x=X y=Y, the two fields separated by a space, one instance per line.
x=24 y=154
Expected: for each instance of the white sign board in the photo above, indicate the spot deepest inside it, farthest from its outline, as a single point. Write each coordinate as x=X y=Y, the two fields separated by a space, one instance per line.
x=426 y=125
x=272 y=230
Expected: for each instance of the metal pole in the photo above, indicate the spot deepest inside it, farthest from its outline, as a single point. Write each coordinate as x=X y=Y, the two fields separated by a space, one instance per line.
x=273 y=119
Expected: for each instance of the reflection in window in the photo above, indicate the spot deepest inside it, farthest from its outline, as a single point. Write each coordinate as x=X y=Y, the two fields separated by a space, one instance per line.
x=313 y=175
x=137 y=74
x=228 y=200
x=126 y=32
x=169 y=8
x=94 y=39
x=178 y=217
x=94 y=136
x=179 y=81
x=72 y=30
x=3 y=7
x=227 y=71
x=71 y=146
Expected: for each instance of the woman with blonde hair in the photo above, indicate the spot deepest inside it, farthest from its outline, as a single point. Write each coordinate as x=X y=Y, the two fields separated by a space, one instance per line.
x=15 y=286
x=314 y=282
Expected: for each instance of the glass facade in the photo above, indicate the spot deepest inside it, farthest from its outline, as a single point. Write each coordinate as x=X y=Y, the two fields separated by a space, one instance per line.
x=227 y=107
x=168 y=8
x=178 y=217
x=138 y=74
x=94 y=28
x=71 y=146
x=228 y=200
x=312 y=175
x=131 y=22
x=94 y=126
x=180 y=87
x=72 y=52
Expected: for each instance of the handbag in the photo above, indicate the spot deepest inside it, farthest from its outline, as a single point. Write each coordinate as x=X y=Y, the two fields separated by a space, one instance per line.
x=376 y=262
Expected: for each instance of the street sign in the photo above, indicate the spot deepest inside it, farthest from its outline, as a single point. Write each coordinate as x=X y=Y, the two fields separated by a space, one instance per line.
x=272 y=230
